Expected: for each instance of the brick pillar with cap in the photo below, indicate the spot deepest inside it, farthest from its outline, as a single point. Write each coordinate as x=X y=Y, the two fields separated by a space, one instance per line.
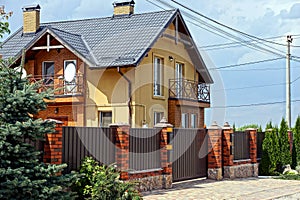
x=166 y=149
x=215 y=152
x=53 y=144
x=227 y=150
x=121 y=133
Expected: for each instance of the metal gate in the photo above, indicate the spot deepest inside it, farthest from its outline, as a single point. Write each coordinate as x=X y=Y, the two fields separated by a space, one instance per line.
x=189 y=154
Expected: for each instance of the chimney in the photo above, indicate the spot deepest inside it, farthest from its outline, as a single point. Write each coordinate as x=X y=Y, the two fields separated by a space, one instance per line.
x=123 y=7
x=31 y=18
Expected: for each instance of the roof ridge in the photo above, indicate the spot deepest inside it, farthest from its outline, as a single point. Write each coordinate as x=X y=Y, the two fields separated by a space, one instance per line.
x=110 y=17
x=50 y=27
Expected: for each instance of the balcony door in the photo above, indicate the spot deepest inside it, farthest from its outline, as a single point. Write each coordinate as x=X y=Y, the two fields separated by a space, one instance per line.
x=179 y=79
x=48 y=73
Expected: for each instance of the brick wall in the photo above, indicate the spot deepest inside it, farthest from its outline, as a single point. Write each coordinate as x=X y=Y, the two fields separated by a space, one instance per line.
x=53 y=145
x=177 y=107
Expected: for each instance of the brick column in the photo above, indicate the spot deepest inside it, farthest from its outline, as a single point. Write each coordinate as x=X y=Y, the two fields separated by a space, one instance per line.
x=290 y=136
x=166 y=131
x=53 y=144
x=121 y=133
x=252 y=144
x=215 y=152
x=227 y=145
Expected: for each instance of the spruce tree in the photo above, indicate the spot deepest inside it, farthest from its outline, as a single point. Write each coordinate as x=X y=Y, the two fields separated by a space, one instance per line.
x=285 y=154
x=296 y=143
x=22 y=175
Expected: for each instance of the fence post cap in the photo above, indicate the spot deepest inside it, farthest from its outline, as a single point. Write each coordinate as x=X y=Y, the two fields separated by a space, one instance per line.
x=214 y=125
x=118 y=124
x=53 y=120
x=163 y=123
x=269 y=130
x=226 y=126
x=251 y=129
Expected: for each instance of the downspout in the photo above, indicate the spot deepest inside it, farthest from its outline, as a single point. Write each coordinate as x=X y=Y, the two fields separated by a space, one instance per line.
x=129 y=95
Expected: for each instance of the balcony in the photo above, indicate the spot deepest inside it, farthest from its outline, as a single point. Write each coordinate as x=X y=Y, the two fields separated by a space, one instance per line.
x=61 y=87
x=189 y=90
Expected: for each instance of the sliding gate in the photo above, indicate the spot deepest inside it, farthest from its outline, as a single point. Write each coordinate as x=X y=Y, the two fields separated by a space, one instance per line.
x=189 y=154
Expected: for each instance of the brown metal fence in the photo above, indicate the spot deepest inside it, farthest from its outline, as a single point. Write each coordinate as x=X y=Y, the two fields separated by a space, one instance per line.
x=241 y=145
x=189 y=154
x=79 y=142
x=144 y=148
x=38 y=145
x=260 y=139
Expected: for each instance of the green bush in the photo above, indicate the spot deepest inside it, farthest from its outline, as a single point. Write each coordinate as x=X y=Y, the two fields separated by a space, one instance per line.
x=102 y=182
x=285 y=157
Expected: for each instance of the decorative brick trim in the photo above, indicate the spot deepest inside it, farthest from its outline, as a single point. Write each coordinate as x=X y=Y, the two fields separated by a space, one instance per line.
x=53 y=145
x=290 y=136
x=253 y=144
x=227 y=146
x=121 y=133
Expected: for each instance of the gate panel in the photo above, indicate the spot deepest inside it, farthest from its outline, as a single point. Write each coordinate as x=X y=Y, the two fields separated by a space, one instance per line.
x=188 y=147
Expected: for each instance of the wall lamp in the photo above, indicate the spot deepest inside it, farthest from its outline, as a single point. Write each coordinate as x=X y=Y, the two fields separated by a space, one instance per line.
x=56 y=110
x=171 y=58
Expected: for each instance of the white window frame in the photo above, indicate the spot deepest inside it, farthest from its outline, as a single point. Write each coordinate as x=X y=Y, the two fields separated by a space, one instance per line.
x=194 y=120
x=101 y=117
x=158 y=77
x=179 y=78
x=156 y=118
x=184 y=120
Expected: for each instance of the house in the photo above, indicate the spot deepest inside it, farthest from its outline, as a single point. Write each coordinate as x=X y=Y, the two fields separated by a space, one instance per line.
x=130 y=68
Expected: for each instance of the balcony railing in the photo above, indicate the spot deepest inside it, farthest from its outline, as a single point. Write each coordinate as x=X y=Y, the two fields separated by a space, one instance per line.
x=59 y=85
x=189 y=90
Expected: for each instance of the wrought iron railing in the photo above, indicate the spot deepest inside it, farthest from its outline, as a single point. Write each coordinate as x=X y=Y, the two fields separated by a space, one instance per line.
x=190 y=90
x=59 y=85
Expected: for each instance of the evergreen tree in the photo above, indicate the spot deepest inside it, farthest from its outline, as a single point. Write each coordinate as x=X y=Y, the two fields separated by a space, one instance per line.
x=22 y=175
x=269 y=126
x=296 y=143
x=285 y=154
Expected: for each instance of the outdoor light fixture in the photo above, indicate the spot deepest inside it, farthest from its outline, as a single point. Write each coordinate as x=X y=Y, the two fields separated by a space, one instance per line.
x=56 y=110
x=171 y=58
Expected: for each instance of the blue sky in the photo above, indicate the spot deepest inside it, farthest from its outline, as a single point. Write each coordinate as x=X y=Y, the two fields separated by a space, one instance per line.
x=233 y=86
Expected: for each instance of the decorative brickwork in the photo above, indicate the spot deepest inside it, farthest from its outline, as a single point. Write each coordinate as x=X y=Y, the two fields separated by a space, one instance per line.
x=227 y=145
x=253 y=144
x=121 y=132
x=215 y=152
x=177 y=107
x=290 y=136
x=53 y=145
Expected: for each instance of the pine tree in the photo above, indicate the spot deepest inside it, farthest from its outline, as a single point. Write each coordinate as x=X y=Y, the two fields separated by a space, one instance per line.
x=22 y=175
x=285 y=154
x=296 y=143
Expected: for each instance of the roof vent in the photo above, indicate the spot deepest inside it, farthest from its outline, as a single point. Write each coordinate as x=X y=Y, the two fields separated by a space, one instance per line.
x=31 y=18
x=123 y=7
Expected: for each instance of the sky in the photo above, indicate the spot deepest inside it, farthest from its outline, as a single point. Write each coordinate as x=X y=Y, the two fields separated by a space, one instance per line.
x=236 y=88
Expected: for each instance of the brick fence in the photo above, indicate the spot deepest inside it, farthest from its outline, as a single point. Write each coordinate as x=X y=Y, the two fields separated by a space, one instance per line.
x=221 y=163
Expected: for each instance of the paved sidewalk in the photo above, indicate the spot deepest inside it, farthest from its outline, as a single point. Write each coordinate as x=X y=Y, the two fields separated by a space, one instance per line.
x=250 y=188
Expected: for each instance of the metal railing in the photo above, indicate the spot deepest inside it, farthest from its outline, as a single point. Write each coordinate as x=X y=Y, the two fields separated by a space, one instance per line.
x=189 y=90
x=59 y=85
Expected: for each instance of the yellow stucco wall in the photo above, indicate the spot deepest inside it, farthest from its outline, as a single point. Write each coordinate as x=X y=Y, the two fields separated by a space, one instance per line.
x=108 y=91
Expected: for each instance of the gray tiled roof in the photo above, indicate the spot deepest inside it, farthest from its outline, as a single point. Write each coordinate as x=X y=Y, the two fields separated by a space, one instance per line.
x=106 y=42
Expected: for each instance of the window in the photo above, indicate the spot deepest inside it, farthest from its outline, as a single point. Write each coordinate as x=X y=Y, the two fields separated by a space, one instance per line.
x=157 y=117
x=194 y=121
x=184 y=120
x=158 y=76
x=70 y=87
x=105 y=118
x=48 y=73
x=179 y=79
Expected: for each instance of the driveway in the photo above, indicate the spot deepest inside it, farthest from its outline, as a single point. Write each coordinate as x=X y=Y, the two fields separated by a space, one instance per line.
x=250 y=188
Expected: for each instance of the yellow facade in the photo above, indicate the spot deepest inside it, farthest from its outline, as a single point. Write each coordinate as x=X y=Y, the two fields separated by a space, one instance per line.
x=107 y=90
